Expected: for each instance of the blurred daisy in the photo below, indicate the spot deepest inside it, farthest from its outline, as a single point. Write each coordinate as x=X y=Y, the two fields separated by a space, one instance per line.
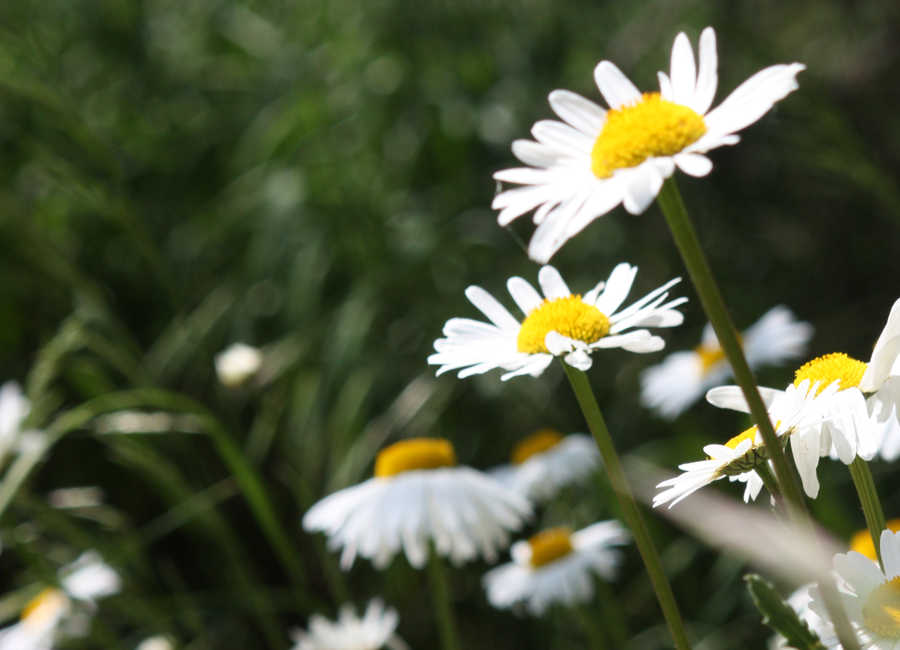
x=419 y=495
x=546 y=461
x=350 y=632
x=156 y=643
x=795 y=413
x=683 y=377
x=14 y=408
x=556 y=566
x=595 y=159
x=237 y=363
x=46 y=616
x=871 y=597
x=867 y=392
x=559 y=324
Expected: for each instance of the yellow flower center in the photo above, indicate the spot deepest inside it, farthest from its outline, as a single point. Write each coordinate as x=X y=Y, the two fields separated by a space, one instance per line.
x=829 y=367
x=537 y=443
x=881 y=611
x=45 y=606
x=749 y=434
x=755 y=456
x=570 y=316
x=415 y=453
x=861 y=542
x=651 y=127
x=709 y=355
x=550 y=545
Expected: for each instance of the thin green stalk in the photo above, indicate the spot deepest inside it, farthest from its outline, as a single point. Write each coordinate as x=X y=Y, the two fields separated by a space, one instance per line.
x=630 y=511
x=711 y=298
x=868 y=499
x=769 y=480
x=443 y=609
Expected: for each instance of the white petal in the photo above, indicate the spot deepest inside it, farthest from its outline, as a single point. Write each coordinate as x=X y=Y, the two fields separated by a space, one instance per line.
x=665 y=86
x=616 y=88
x=534 y=153
x=562 y=137
x=581 y=113
x=732 y=397
x=557 y=344
x=552 y=283
x=525 y=295
x=490 y=307
x=707 y=80
x=886 y=351
x=683 y=70
x=617 y=288
x=579 y=359
x=805 y=448
x=642 y=184
x=693 y=164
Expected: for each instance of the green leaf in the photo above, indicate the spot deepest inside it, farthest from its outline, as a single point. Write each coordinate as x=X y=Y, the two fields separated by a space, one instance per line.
x=780 y=616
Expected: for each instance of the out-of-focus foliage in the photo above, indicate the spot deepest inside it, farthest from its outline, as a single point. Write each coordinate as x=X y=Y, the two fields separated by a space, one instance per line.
x=315 y=178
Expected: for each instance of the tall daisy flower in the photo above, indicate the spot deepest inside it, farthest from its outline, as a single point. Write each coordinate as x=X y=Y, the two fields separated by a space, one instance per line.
x=595 y=159
x=372 y=631
x=44 y=618
x=419 y=495
x=546 y=461
x=558 y=324
x=683 y=377
x=870 y=595
x=795 y=412
x=556 y=566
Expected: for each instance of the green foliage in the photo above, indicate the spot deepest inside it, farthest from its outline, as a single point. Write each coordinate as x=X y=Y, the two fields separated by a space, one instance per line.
x=780 y=616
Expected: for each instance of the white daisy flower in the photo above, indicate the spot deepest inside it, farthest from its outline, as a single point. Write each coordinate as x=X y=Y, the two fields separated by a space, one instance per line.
x=237 y=363
x=556 y=566
x=86 y=580
x=559 y=324
x=418 y=495
x=862 y=542
x=795 y=413
x=546 y=461
x=871 y=597
x=374 y=630
x=683 y=377
x=583 y=167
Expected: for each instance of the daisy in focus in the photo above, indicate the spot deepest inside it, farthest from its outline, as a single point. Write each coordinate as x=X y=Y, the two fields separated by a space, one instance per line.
x=372 y=631
x=583 y=167
x=558 y=324
x=417 y=497
x=683 y=377
x=871 y=597
x=795 y=412
x=546 y=461
x=858 y=416
x=556 y=566
x=54 y=613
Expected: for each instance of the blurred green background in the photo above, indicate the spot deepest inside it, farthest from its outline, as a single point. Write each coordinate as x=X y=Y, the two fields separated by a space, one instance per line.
x=315 y=178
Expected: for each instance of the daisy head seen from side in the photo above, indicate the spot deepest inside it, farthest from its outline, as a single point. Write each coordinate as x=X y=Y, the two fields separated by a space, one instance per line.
x=418 y=498
x=371 y=631
x=595 y=158
x=559 y=323
x=556 y=566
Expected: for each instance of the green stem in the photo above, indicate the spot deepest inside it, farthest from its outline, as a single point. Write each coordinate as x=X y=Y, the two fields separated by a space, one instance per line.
x=630 y=511
x=768 y=480
x=868 y=499
x=440 y=593
x=711 y=298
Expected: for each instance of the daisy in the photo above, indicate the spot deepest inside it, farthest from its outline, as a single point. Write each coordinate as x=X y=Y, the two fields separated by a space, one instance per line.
x=795 y=413
x=595 y=159
x=559 y=324
x=871 y=597
x=374 y=630
x=419 y=495
x=867 y=392
x=85 y=580
x=683 y=377
x=546 y=461
x=555 y=566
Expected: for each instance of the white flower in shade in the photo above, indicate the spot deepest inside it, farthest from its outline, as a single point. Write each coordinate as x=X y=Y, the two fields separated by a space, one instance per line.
x=583 y=167
x=556 y=566
x=871 y=597
x=237 y=363
x=86 y=580
x=795 y=414
x=559 y=324
x=683 y=377
x=547 y=461
x=350 y=632
x=419 y=496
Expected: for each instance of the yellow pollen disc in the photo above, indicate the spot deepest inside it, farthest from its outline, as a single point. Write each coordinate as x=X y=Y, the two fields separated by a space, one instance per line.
x=881 y=611
x=570 y=316
x=861 y=542
x=550 y=545
x=709 y=355
x=827 y=368
x=415 y=453
x=537 y=443
x=749 y=434
x=652 y=127
x=45 y=605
